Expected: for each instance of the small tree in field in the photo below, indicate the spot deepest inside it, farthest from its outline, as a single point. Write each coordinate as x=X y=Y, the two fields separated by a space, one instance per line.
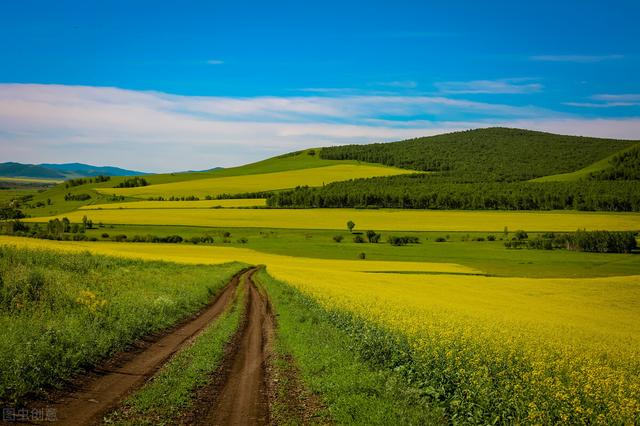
x=351 y=225
x=338 y=238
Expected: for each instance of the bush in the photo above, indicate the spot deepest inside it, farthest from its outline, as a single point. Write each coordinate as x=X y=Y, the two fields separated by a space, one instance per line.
x=119 y=238
x=104 y=235
x=358 y=239
x=338 y=238
x=373 y=236
x=395 y=240
x=491 y=237
x=242 y=240
x=521 y=235
x=362 y=256
x=441 y=240
x=77 y=197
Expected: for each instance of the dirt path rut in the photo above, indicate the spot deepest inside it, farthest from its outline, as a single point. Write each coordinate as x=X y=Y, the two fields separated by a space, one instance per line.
x=110 y=383
x=239 y=396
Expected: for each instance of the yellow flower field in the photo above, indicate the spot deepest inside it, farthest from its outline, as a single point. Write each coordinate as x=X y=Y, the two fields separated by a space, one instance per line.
x=258 y=182
x=380 y=220
x=549 y=350
x=201 y=204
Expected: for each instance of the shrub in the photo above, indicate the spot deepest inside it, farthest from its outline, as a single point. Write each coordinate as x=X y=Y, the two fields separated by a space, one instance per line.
x=358 y=239
x=119 y=238
x=441 y=240
x=521 y=235
x=104 y=235
x=403 y=240
x=242 y=240
x=362 y=255
x=373 y=236
x=338 y=238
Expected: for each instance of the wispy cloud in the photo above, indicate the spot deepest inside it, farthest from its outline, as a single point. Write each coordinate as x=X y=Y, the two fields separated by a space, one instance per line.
x=502 y=86
x=163 y=132
x=398 y=84
x=215 y=62
x=624 y=97
x=609 y=101
x=583 y=59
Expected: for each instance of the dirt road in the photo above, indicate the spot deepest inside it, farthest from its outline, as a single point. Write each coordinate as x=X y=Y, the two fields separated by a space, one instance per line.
x=239 y=395
x=109 y=384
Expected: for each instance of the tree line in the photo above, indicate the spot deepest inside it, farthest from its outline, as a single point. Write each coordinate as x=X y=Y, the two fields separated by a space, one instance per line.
x=423 y=192
x=581 y=240
x=132 y=182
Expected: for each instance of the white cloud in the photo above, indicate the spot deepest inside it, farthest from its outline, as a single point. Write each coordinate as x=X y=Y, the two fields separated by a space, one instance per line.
x=625 y=97
x=575 y=58
x=503 y=86
x=609 y=101
x=215 y=62
x=162 y=132
x=600 y=105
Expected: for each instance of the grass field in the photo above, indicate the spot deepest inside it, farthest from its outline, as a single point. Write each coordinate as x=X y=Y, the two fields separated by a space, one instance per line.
x=459 y=247
x=202 y=204
x=381 y=220
x=62 y=312
x=257 y=182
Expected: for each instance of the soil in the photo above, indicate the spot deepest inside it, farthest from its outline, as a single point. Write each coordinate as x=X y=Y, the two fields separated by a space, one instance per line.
x=238 y=393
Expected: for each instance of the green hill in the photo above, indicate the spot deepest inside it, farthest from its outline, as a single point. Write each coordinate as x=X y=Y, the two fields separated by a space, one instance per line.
x=485 y=155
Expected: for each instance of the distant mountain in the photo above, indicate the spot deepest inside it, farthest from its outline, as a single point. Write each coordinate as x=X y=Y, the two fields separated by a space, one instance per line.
x=61 y=171
x=89 y=170
x=28 y=170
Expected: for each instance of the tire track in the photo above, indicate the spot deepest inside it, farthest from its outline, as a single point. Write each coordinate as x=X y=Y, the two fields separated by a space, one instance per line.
x=240 y=394
x=109 y=384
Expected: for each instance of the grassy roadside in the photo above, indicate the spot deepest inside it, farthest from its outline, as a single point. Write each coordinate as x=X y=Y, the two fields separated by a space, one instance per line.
x=63 y=312
x=170 y=394
x=332 y=365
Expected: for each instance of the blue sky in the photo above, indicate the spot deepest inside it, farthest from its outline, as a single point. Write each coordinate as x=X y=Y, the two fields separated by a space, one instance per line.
x=165 y=85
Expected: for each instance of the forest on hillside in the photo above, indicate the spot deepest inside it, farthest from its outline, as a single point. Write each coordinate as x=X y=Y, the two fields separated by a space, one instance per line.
x=495 y=154
x=424 y=192
x=484 y=169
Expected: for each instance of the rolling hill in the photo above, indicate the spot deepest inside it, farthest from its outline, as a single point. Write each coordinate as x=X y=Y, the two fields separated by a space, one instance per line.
x=494 y=154
x=478 y=169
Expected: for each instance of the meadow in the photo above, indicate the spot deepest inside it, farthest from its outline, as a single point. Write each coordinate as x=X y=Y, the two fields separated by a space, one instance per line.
x=62 y=313
x=382 y=219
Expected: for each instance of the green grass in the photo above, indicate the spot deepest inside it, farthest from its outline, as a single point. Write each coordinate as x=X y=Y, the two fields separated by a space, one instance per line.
x=296 y=161
x=490 y=257
x=61 y=313
x=171 y=392
x=353 y=391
